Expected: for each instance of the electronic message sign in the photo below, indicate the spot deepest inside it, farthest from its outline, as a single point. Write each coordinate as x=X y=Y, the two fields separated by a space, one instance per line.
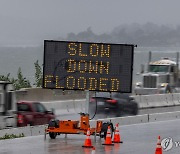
x=88 y=66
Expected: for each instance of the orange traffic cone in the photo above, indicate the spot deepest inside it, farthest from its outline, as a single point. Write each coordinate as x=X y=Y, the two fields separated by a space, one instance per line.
x=108 y=140
x=117 y=137
x=158 y=146
x=87 y=143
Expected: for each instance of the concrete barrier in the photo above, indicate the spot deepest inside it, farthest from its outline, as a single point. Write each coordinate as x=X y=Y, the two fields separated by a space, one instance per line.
x=151 y=101
x=124 y=120
x=79 y=106
x=40 y=94
x=142 y=118
x=144 y=101
x=164 y=116
x=73 y=101
x=129 y=120
x=161 y=101
x=169 y=99
x=67 y=106
x=158 y=100
x=176 y=98
x=137 y=99
x=38 y=130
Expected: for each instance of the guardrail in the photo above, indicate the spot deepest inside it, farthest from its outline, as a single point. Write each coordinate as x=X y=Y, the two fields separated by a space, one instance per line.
x=129 y=120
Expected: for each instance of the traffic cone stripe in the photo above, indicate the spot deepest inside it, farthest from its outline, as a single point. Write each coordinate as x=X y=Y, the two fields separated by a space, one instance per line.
x=88 y=133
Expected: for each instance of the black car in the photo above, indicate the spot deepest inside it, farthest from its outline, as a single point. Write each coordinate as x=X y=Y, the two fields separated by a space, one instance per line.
x=117 y=103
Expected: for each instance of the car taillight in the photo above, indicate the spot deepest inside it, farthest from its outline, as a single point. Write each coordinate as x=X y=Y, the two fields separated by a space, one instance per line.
x=92 y=100
x=112 y=101
x=20 y=119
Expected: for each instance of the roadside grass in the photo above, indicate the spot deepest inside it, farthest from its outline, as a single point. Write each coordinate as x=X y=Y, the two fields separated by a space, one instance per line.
x=11 y=136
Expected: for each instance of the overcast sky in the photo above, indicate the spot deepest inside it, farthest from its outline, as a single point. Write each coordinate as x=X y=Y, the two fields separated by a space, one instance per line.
x=29 y=22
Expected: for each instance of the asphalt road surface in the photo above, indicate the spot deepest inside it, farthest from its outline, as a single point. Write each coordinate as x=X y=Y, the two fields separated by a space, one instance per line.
x=138 y=139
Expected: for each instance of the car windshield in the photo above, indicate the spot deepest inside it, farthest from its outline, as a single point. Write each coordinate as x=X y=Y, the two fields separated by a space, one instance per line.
x=39 y=107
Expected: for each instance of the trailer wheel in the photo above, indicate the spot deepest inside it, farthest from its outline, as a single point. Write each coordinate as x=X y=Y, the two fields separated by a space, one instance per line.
x=52 y=135
x=53 y=123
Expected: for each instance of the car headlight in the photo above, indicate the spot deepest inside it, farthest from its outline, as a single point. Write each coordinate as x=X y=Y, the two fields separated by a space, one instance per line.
x=138 y=84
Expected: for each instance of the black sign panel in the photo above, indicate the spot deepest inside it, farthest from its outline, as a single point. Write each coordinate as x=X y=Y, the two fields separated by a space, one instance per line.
x=88 y=66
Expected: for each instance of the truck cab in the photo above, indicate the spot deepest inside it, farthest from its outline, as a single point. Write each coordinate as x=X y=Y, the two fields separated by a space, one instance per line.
x=8 y=116
x=161 y=77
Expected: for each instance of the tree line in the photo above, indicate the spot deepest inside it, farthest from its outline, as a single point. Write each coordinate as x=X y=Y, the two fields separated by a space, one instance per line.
x=23 y=82
x=146 y=35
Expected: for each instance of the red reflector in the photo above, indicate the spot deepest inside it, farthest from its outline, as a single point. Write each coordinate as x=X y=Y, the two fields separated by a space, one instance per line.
x=113 y=101
x=20 y=119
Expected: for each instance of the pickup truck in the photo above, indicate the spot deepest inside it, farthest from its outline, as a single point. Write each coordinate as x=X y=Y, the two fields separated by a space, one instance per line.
x=32 y=113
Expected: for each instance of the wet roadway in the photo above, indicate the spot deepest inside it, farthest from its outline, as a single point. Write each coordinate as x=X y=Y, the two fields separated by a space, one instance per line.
x=137 y=138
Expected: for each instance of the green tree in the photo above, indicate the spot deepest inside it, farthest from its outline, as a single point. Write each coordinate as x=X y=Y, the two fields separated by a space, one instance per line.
x=38 y=74
x=5 y=78
x=21 y=82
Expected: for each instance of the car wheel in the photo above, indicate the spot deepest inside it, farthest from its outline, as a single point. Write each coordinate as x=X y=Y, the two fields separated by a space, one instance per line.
x=52 y=135
x=135 y=110
x=31 y=124
x=119 y=111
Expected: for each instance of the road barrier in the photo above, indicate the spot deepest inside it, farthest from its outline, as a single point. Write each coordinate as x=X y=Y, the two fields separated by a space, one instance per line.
x=144 y=101
x=66 y=106
x=164 y=116
x=158 y=100
x=76 y=104
x=176 y=98
x=40 y=94
x=129 y=120
x=74 y=101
